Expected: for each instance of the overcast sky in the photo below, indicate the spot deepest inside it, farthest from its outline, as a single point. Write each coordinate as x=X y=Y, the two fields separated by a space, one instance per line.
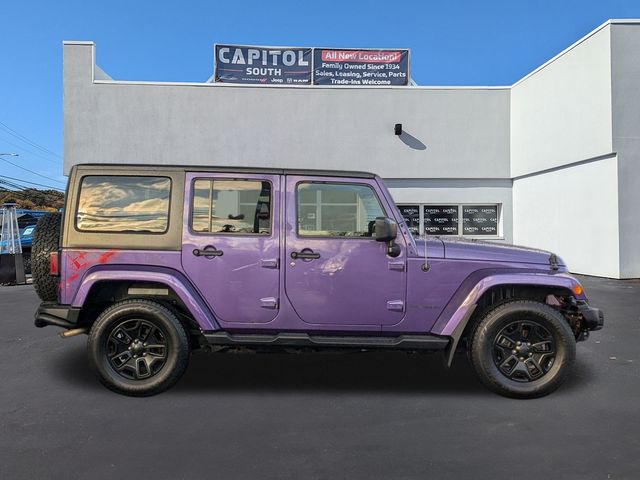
x=452 y=43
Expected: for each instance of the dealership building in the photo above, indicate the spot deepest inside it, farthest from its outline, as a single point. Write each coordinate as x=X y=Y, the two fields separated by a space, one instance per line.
x=552 y=161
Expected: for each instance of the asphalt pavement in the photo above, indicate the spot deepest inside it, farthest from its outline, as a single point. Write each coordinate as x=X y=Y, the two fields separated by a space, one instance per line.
x=387 y=416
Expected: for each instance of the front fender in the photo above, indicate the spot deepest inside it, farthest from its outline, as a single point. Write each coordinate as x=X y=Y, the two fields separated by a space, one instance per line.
x=166 y=276
x=454 y=318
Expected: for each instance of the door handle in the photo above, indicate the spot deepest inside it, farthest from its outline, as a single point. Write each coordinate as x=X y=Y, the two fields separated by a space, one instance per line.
x=207 y=251
x=305 y=254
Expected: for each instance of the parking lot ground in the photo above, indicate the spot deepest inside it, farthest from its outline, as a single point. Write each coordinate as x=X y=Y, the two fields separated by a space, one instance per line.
x=305 y=416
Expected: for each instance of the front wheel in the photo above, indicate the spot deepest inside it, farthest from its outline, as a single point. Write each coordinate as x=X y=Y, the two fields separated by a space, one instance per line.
x=523 y=349
x=138 y=348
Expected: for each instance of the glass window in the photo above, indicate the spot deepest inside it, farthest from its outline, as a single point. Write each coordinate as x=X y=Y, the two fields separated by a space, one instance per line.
x=441 y=219
x=231 y=206
x=411 y=216
x=124 y=204
x=480 y=220
x=337 y=210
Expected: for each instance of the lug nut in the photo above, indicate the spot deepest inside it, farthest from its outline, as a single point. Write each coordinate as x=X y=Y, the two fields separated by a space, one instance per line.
x=518 y=343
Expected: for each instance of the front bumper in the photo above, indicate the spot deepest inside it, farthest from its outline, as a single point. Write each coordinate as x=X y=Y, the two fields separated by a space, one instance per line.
x=51 y=313
x=593 y=318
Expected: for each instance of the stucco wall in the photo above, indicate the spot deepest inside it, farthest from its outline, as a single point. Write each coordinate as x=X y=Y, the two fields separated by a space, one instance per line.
x=573 y=212
x=625 y=43
x=316 y=127
x=561 y=112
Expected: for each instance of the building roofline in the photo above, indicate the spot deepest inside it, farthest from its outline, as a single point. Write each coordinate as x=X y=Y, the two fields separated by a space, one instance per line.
x=619 y=21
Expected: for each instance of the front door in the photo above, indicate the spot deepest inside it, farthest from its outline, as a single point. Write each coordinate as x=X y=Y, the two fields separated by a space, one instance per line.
x=231 y=244
x=336 y=273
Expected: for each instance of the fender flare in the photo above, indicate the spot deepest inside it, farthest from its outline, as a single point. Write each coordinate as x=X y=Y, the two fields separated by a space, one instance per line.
x=453 y=320
x=166 y=276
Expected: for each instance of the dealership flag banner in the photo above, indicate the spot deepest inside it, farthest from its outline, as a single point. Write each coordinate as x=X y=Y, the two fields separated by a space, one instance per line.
x=262 y=65
x=360 y=67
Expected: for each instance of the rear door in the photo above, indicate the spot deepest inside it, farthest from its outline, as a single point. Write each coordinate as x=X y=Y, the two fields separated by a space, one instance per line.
x=231 y=245
x=336 y=272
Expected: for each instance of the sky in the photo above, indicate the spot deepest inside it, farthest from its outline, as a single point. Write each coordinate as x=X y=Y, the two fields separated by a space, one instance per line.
x=452 y=43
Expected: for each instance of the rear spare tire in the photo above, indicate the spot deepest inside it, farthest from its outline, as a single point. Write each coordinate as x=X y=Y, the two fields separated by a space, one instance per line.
x=46 y=239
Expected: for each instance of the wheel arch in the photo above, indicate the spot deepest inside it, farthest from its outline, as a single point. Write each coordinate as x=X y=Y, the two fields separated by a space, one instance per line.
x=470 y=303
x=104 y=285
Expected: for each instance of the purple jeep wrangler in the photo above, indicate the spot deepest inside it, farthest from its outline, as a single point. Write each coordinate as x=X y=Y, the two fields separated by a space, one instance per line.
x=156 y=262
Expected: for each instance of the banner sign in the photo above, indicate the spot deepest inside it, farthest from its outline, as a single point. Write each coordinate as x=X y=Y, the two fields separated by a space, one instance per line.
x=360 y=67
x=305 y=66
x=262 y=65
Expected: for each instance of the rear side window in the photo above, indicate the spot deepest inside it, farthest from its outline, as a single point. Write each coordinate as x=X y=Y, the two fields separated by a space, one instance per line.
x=124 y=204
x=231 y=206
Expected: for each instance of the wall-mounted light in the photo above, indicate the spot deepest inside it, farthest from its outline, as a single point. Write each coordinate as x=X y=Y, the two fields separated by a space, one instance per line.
x=398 y=129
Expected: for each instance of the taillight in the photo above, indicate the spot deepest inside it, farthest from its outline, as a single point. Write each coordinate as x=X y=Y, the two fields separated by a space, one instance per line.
x=54 y=264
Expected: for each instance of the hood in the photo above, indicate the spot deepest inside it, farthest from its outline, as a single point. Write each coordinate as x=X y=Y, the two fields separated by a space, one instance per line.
x=465 y=249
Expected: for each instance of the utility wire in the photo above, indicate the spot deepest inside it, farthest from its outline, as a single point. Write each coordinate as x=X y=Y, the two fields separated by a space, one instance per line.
x=11 y=131
x=30 y=183
x=30 y=151
x=31 y=171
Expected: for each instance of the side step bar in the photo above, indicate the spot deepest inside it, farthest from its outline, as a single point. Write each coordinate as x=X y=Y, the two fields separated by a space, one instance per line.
x=402 y=342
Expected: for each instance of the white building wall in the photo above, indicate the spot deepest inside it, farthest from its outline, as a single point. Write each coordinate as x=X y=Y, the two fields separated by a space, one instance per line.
x=573 y=212
x=625 y=45
x=561 y=112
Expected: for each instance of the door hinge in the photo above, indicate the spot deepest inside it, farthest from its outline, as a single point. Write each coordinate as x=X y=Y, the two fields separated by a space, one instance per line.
x=269 y=302
x=270 y=263
x=399 y=266
x=395 y=305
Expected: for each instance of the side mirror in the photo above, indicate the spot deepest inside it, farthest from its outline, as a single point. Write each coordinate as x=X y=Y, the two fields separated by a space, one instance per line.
x=386 y=230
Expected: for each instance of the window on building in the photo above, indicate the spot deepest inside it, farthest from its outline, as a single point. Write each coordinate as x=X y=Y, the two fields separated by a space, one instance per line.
x=466 y=220
x=441 y=219
x=231 y=206
x=124 y=204
x=480 y=220
x=337 y=210
x=411 y=216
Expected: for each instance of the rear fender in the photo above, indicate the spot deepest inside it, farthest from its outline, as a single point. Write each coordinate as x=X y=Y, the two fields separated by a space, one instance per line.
x=166 y=276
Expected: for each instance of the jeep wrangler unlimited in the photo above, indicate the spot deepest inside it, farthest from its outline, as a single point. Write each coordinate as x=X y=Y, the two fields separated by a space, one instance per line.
x=156 y=262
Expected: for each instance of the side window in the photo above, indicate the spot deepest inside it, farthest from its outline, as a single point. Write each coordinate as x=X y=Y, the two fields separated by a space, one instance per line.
x=336 y=210
x=231 y=206
x=124 y=204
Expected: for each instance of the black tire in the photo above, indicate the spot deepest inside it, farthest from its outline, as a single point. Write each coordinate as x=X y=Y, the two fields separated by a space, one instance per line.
x=46 y=239
x=26 y=261
x=145 y=374
x=510 y=365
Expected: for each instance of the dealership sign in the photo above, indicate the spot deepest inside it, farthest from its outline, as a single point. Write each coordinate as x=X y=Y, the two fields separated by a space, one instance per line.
x=305 y=66
x=262 y=65
x=360 y=67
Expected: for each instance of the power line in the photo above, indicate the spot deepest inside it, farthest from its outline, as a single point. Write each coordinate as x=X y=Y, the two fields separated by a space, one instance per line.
x=11 y=131
x=30 y=171
x=31 y=183
x=30 y=151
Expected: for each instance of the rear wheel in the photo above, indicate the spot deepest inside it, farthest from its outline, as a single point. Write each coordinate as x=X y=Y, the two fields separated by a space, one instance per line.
x=522 y=349
x=138 y=348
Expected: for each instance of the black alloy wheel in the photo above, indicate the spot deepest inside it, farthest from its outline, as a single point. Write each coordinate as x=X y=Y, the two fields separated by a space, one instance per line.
x=138 y=347
x=524 y=351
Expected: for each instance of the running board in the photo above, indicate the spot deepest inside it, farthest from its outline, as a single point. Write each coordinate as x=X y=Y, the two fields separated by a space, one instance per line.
x=402 y=342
